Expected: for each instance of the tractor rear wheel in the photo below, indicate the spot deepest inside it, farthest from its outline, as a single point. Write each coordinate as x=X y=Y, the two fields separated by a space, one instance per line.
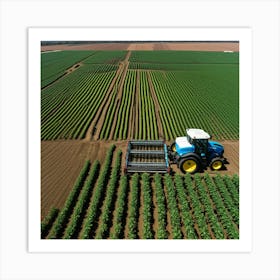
x=216 y=164
x=173 y=147
x=189 y=165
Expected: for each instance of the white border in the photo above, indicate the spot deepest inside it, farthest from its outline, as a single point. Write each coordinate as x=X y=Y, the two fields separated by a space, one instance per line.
x=243 y=35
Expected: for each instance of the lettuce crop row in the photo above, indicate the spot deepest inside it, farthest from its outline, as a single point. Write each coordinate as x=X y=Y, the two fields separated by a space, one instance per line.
x=98 y=195
x=48 y=221
x=121 y=208
x=173 y=208
x=107 y=211
x=148 y=232
x=198 y=209
x=133 y=212
x=161 y=232
x=66 y=211
x=184 y=207
x=77 y=217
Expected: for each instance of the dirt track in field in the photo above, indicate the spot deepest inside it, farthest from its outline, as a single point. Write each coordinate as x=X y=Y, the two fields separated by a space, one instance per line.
x=62 y=160
x=197 y=46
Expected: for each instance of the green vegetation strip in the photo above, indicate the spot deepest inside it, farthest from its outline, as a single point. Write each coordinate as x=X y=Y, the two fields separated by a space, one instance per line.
x=107 y=212
x=197 y=209
x=133 y=212
x=48 y=221
x=66 y=211
x=77 y=217
x=161 y=232
x=184 y=207
x=119 y=223
x=93 y=211
x=148 y=232
x=173 y=208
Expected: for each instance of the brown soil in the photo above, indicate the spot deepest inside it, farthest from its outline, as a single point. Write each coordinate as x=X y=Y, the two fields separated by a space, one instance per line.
x=196 y=46
x=62 y=160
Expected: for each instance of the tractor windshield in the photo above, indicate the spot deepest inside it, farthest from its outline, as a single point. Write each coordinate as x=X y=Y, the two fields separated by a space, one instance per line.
x=201 y=145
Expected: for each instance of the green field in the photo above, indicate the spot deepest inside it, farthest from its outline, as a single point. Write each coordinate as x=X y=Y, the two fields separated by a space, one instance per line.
x=158 y=93
x=121 y=95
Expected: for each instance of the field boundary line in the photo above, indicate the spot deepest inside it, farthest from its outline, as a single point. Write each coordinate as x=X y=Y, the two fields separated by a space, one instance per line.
x=119 y=96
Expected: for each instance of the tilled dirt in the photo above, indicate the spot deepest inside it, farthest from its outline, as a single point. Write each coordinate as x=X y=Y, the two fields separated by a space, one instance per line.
x=62 y=160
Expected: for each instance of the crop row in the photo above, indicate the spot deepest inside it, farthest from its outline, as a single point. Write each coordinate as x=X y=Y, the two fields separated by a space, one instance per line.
x=91 y=221
x=103 y=204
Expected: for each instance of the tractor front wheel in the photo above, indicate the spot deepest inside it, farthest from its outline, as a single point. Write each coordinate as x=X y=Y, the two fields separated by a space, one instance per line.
x=189 y=165
x=173 y=147
x=216 y=164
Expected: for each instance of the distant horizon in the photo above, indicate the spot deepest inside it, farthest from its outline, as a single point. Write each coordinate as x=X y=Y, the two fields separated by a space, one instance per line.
x=44 y=43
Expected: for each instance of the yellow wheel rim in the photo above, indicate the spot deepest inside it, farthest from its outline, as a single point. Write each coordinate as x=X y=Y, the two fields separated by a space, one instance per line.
x=189 y=165
x=173 y=148
x=217 y=165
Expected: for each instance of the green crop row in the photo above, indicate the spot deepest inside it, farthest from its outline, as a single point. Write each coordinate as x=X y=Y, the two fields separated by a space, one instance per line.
x=133 y=211
x=121 y=206
x=148 y=232
x=106 y=216
x=79 y=211
x=48 y=221
x=184 y=207
x=161 y=209
x=197 y=209
x=65 y=213
x=173 y=208
x=98 y=196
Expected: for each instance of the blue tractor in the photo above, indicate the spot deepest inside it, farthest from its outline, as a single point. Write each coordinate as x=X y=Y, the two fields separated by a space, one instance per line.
x=195 y=152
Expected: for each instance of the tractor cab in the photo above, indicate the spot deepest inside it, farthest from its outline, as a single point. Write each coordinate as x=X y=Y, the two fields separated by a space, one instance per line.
x=199 y=139
x=195 y=151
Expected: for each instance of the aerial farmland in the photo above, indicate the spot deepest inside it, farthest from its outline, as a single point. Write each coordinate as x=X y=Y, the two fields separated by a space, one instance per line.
x=95 y=98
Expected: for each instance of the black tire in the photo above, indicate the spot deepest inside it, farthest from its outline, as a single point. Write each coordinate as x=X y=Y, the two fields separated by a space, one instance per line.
x=173 y=147
x=189 y=165
x=217 y=164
